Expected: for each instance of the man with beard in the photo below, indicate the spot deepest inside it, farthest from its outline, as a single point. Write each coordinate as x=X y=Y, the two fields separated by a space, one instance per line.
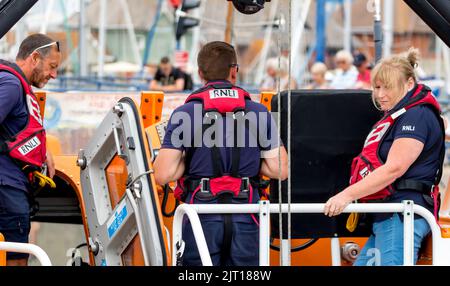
x=22 y=136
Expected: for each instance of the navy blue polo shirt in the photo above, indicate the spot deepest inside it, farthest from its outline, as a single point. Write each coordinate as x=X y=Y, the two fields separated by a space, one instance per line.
x=419 y=123
x=185 y=122
x=13 y=118
x=190 y=114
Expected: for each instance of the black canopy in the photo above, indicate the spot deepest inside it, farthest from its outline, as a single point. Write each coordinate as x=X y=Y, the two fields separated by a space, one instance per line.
x=11 y=11
x=436 y=14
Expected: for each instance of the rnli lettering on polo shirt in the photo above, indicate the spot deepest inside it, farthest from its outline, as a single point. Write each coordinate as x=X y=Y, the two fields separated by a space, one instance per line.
x=29 y=146
x=408 y=128
x=223 y=93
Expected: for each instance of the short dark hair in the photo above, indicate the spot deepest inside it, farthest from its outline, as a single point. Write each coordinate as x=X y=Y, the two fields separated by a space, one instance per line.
x=165 y=60
x=31 y=43
x=359 y=59
x=215 y=59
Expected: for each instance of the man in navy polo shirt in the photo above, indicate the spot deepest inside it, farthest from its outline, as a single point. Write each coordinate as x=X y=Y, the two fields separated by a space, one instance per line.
x=37 y=62
x=203 y=153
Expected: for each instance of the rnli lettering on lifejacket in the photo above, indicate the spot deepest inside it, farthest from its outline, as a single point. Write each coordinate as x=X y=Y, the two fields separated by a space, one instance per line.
x=29 y=146
x=223 y=93
x=364 y=172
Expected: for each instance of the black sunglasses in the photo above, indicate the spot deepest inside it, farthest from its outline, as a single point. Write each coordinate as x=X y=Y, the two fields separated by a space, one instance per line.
x=48 y=45
x=235 y=65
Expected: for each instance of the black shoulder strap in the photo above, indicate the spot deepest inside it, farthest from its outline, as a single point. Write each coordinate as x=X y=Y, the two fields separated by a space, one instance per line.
x=216 y=158
x=442 y=152
x=236 y=150
x=253 y=130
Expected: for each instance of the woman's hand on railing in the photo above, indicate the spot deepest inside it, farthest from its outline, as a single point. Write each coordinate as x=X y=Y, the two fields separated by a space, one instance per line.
x=335 y=205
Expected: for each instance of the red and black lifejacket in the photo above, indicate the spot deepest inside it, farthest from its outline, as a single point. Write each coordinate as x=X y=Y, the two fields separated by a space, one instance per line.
x=369 y=159
x=220 y=98
x=28 y=146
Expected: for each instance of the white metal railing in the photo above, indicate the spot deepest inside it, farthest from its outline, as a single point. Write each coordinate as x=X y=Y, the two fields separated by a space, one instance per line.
x=441 y=246
x=197 y=229
x=26 y=248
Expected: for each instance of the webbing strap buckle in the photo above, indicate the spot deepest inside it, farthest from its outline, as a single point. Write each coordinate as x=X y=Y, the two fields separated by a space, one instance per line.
x=204 y=185
x=245 y=184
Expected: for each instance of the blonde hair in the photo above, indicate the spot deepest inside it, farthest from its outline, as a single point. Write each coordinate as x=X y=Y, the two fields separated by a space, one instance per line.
x=280 y=65
x=393 y=72
x=344 y=55
x=272 y=63
x=396 y=70
x=319 y=67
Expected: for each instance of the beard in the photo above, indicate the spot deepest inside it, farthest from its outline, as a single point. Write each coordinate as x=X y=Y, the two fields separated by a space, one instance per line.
x=38 y=78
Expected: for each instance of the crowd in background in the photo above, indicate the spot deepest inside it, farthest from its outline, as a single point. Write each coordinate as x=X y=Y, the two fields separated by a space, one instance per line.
x=351 y=72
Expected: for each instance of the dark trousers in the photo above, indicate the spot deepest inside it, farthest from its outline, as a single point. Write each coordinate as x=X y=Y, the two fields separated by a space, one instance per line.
x=244 y=248
x=14 y=217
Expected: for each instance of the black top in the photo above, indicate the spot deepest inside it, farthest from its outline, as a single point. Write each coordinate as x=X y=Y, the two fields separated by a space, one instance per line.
x=174 y=75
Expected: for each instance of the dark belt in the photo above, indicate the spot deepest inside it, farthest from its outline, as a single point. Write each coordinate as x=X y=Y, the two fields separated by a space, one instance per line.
x=408 y=184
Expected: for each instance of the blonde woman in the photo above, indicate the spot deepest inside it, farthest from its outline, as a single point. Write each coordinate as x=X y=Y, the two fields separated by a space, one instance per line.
x=399 y=160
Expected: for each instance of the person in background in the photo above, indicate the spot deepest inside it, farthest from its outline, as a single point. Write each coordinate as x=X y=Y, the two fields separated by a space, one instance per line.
x=167 y=77
x=277 y=69
x=268 y=83
x=346 y=74
x=188 y=80
x=363 y=80
x=318 y=71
